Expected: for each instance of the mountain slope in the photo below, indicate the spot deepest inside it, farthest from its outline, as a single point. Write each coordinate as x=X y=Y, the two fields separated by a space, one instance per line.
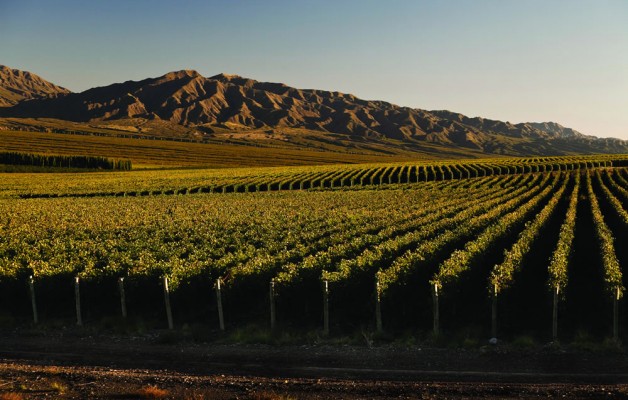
x=230 y=103
x=16 y=85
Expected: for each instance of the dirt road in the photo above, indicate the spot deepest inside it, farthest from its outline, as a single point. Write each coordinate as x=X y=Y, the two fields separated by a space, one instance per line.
x=67 y=365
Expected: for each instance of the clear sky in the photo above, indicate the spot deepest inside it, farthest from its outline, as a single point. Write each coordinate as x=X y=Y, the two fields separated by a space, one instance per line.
x=514 y=60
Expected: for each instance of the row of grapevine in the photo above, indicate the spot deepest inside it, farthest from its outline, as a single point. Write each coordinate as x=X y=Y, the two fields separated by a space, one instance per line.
x=618 y=183
x=396 y=240
x=303 y=178
x=502 y=274
x=366 y=236
x=436 y=216
x=473 y=220
x=380 y=256
x=459 y=261
x=559 y=261
x=612 y=270
x=610 y=197
x=346 y=235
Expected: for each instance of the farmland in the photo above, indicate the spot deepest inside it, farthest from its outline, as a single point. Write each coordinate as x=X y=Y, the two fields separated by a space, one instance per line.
x=170 y=153
x=483 y=247
x=192 y=181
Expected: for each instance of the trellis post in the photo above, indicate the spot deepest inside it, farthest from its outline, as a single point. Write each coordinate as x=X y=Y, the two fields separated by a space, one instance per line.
x=378 y=307
x=31 y=285
x=494 y=313
x=326 y=308
x=122 y=297
x=555 y=315
x=167 y=302
x=221 y=320
x=435 y=309
x=273 y=316
x=77 y=300
x=616 y=314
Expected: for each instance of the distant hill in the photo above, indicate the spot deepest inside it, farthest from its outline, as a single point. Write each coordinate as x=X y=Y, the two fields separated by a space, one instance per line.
x=235 y=106
x=16 y=85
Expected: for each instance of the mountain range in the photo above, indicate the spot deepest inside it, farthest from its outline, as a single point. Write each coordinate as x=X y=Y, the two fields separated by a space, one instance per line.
x=16 y=85
x=232 y=106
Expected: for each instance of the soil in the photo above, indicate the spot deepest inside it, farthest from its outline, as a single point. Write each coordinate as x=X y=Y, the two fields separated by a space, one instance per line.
x=76 y=365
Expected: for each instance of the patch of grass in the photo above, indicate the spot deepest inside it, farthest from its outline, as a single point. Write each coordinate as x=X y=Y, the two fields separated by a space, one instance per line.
x=344 y=340
x=584 y=341
x=611 y=344
x=523 y=341
x=470 y=343
x=151 y=392
x=467 y=337
x=255 y=334
x=251 y=334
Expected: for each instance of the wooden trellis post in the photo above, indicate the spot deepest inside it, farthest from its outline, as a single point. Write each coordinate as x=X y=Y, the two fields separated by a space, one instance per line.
x=616 y=314
x=31 y=285
x=77 y=300
x=273 y=316
x=555 y=315
x=494 y=313
x=435 y=310
x=221 y=319
x=378 y=307
x=167 y=302
x=122 y=296
x=326 y=308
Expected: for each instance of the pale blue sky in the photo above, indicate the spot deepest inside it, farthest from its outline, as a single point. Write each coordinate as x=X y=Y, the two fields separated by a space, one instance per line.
x=525 y=60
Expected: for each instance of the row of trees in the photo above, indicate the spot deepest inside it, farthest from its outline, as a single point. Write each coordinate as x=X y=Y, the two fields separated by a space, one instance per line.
x=59 y=161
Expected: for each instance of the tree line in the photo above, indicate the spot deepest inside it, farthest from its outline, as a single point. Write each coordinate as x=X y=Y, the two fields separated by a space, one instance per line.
x=60 y=161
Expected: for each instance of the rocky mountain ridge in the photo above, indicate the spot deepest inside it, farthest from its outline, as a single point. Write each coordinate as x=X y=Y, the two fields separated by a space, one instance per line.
x=234 y=103
x=16 y=86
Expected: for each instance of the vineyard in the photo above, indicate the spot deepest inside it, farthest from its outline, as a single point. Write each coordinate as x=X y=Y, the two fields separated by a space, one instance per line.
x=247 y=180
x=497 y=247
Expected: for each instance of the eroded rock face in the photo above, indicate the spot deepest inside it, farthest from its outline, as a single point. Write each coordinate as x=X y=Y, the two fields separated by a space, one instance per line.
x=16 y=86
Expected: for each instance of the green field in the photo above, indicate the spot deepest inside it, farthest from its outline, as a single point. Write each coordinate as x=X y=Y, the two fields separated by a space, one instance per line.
x=483 y=238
